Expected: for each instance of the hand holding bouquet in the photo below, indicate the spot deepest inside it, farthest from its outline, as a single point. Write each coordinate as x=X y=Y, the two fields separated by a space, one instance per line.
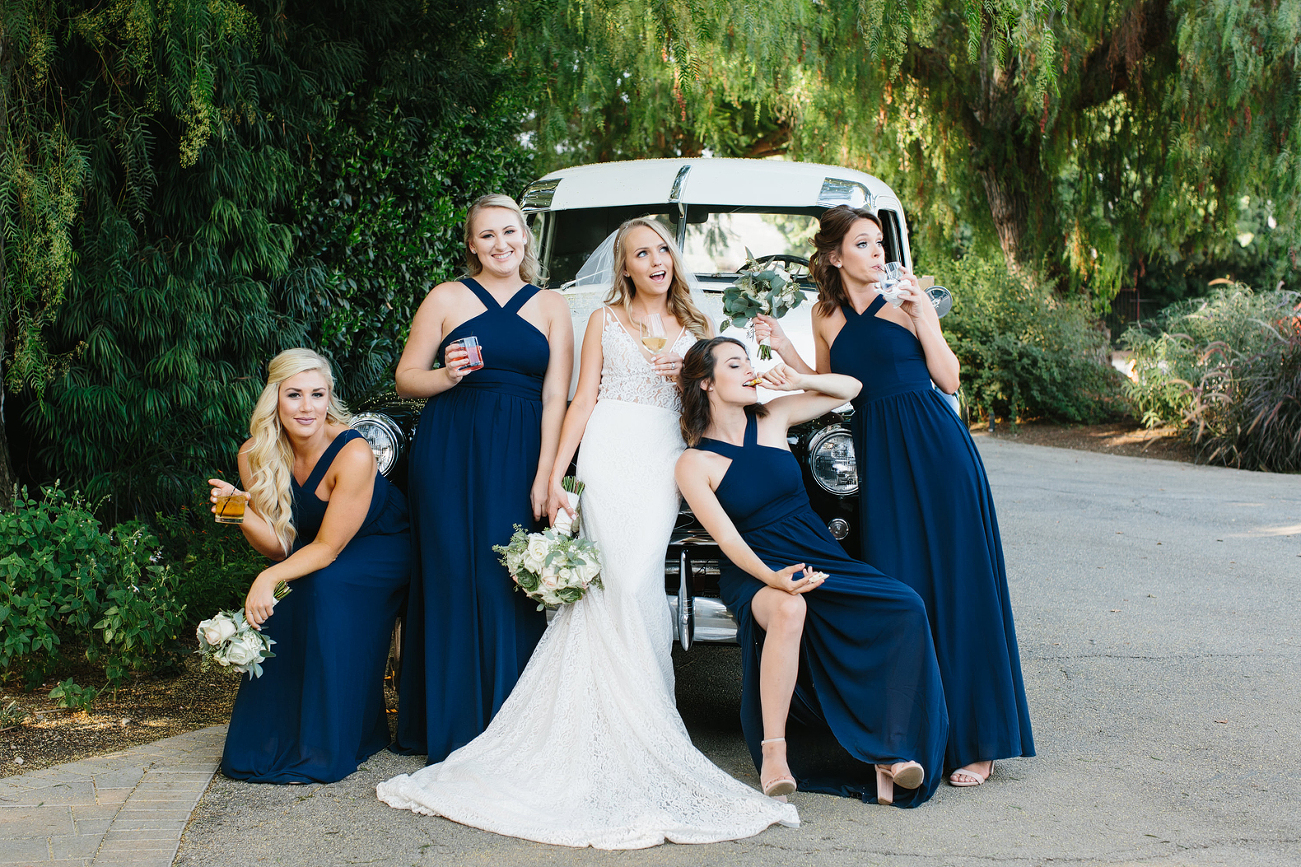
x=552 y=567
x=230 y=641
x=761 y=288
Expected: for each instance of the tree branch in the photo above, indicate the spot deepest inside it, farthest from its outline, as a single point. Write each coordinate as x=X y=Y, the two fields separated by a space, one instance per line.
x=1116 y=61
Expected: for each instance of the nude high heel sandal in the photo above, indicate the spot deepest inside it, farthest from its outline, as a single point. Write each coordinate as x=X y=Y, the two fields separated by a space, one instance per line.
x=782 y=786
x=909 y=775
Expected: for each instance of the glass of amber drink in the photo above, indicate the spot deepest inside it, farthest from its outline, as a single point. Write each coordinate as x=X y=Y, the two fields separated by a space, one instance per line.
x=230 y=508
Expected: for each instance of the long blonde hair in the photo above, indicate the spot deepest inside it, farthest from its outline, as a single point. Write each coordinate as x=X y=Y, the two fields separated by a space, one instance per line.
x=270 y=455
x=529 y=268
x=680 y=303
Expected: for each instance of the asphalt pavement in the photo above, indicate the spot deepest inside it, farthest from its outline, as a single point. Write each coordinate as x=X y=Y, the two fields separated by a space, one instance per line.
x=1157 y=613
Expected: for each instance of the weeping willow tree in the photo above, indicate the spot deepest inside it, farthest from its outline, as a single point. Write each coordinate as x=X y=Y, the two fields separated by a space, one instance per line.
x=86 y=94
x=1080 y=139
x=189 y=186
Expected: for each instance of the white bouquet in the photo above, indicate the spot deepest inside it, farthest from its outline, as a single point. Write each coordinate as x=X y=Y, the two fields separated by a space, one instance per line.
x=228 y=640
x=768 y=288
x=552 y=567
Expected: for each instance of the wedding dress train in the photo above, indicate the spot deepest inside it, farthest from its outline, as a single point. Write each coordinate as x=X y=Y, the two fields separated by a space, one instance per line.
x=589 y=749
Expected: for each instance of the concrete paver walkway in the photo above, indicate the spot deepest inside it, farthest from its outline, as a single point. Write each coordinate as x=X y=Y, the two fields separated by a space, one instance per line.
x=128 y=807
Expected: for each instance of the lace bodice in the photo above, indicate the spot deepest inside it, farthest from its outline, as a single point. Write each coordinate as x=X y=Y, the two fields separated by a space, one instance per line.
x=626 y=373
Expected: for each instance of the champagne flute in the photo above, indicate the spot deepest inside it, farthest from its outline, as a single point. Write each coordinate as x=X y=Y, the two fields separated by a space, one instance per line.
x=652 y=333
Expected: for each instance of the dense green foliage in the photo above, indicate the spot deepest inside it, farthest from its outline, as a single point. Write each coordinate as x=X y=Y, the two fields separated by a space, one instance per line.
x=1129 y=130
x=386 y=223
x=66 y=583
x=236 y=179
x=1227 y=370
x=1025 y=352
x=215 y=562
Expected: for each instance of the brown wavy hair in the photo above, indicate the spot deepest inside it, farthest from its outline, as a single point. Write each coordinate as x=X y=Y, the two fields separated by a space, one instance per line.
x=529 y=268
x=698 y=367
x=679 y=299
x=833 y=226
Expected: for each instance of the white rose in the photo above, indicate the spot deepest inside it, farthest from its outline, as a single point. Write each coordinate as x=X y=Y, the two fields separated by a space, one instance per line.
x=549 y=578
x=568 y=577
x=244 y=650
x=213 y=632
x=536 y=553
x=589 y=570
x=515 y=562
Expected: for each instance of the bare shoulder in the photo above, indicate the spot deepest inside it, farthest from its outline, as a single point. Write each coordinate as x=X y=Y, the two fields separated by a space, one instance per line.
x=697 y=463
x=552 y=302
x=445 y=292
x=356 y=456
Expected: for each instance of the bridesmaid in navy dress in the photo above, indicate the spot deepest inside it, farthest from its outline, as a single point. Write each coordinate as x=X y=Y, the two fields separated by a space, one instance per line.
x=317 y=711
x=927 y=512
x=835 y=655
x=482 y=453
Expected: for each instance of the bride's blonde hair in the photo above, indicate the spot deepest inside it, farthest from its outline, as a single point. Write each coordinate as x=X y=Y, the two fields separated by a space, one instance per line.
x=679 y=300
x=270 y=454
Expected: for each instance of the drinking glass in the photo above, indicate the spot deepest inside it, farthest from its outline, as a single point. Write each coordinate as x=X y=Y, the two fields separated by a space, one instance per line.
x=888 y=284
x=652 y=333
x=474 y=356
x=230 y=508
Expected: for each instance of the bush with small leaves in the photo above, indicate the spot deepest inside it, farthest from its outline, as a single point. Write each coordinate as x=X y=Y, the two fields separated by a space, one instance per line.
x=64 y=582
x=73 y=697
x=1227 y=370
x=12 y=715
x=1025 y=352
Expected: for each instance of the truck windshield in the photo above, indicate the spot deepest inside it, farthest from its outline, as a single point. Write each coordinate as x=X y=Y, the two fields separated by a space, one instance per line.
x=713 y=238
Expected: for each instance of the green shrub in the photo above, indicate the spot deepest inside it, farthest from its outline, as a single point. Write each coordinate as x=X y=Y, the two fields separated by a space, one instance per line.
x=1025 y=352
x=64 y=582
x=12 y=715
x=68 y=694
x=215 y=565
x=1227 y=370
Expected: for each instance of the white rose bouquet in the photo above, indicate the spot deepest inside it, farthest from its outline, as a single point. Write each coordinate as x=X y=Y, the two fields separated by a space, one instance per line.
x=553 y=567
x=768 y=288
x=228 y=640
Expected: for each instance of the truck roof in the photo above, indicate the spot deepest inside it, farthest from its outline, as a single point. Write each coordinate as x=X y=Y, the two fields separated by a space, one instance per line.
x=739 y=183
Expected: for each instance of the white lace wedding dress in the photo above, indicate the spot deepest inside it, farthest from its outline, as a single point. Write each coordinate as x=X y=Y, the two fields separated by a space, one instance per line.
x=589 y=749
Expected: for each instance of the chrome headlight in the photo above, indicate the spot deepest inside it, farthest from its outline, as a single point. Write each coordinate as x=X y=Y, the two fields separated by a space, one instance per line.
x=832 y=460
x=385 y=438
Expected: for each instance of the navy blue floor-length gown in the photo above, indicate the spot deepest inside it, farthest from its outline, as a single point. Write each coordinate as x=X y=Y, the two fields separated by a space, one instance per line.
x=317 y=711
x=928 y=520
x=468 y=633
x=869 y=689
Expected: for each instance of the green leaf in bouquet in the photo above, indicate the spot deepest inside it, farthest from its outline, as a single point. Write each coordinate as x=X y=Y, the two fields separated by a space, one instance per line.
x=739 y=321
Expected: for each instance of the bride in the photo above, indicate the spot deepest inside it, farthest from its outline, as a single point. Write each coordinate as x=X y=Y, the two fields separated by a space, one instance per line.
x=589 y=749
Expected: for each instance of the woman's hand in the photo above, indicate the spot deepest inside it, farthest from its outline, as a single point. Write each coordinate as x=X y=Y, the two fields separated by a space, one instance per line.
x=913 y=299
x=224 y=489
x=785 y=580
x=260 y=601
x=454 y=360
x=667 y=364
x=557 y=500
x=783 y=378
x=539 y=498
x=769 y=327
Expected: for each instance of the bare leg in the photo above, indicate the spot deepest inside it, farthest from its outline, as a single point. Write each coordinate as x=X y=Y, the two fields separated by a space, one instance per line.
x=781 y=616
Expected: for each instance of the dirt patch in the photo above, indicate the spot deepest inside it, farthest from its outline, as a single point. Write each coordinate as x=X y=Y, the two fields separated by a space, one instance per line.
x=147 y=710
x=1119 y=438
x=139 y=713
